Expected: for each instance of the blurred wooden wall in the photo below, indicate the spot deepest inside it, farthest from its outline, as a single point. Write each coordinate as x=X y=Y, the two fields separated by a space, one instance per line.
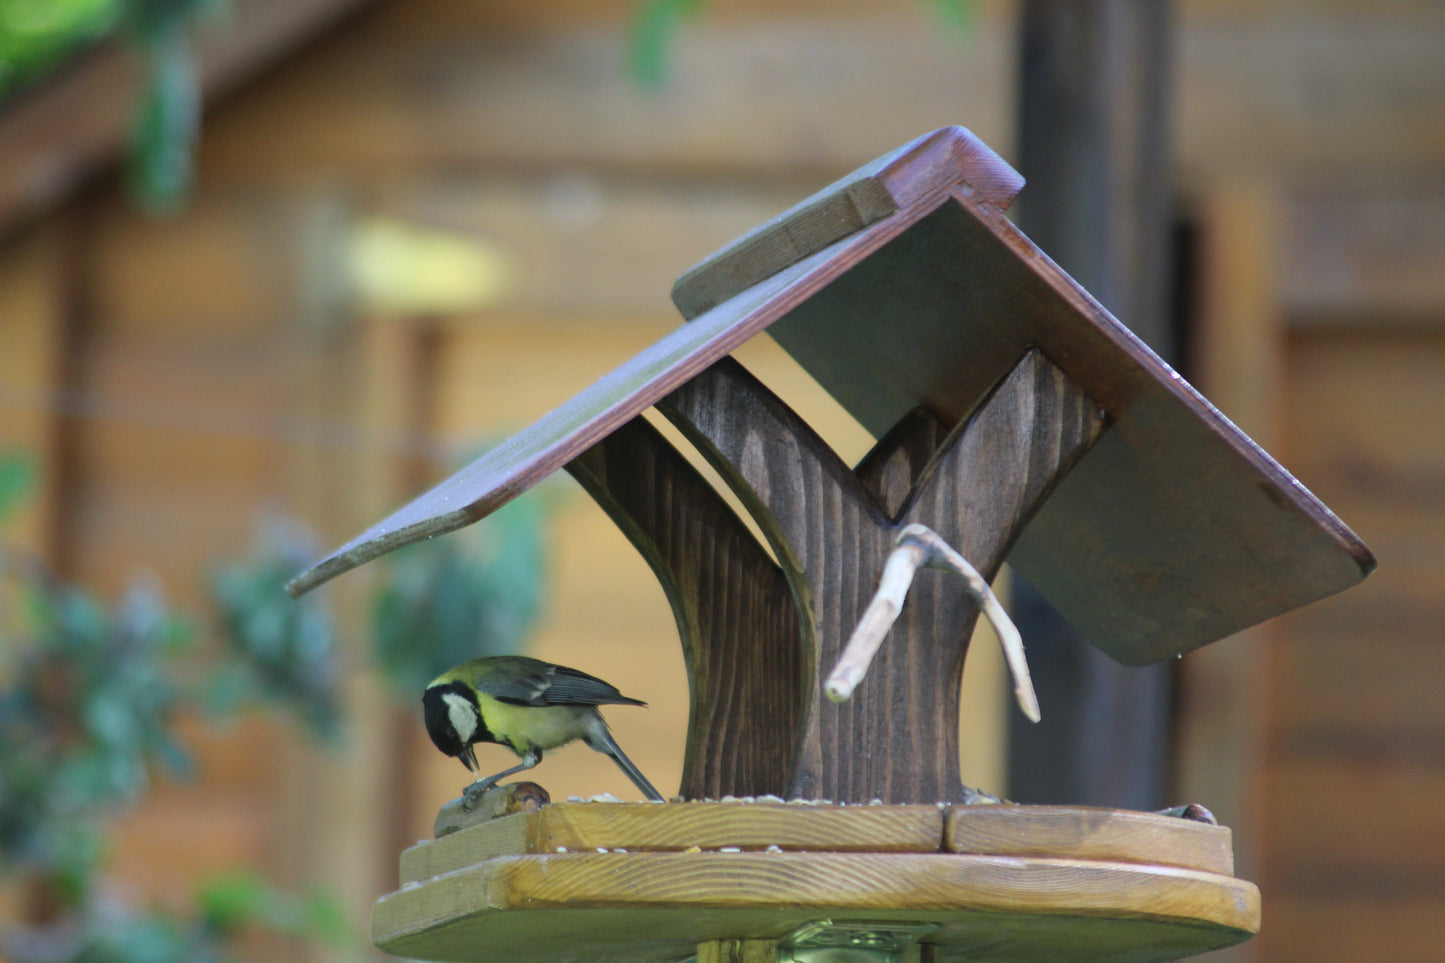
x=178 y=375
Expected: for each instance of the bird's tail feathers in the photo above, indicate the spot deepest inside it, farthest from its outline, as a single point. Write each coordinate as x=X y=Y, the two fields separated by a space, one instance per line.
x=601 y=740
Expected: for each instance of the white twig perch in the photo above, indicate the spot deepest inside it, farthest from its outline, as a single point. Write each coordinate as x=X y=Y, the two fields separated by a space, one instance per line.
x=916 y=546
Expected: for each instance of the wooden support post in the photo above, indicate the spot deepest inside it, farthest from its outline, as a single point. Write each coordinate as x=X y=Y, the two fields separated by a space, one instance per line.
x=1093 y=143
x=735 y=618
x=897 y=739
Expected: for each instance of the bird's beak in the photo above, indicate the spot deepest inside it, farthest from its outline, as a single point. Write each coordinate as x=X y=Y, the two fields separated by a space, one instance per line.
x=468 y=757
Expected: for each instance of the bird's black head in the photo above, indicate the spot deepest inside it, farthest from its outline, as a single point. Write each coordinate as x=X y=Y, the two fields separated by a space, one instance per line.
x=454 y=720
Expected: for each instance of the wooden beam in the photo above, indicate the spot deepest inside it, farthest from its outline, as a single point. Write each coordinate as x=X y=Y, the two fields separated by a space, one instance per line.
x=75 y=123
x=1093 y=145
x=735 y=615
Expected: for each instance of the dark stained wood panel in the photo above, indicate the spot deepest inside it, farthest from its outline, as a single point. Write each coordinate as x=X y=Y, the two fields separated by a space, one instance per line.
x=1173 y=507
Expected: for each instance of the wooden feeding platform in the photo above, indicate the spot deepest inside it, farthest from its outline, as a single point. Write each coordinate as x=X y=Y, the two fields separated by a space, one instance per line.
x=648 y=881
x=1015 y=419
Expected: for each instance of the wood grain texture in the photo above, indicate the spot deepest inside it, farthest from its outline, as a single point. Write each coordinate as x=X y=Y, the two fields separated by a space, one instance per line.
x=511 y=904
x=892 y=467
x=737 y=951
x=1080 y=832
x=1142 y=496
x=659 y=935
x=735 y=615
x=930 y=306
x=896 y=739
x=648 y=827
x=948 y=159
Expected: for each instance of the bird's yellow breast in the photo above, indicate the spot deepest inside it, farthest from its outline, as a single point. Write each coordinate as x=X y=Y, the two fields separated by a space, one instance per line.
x=534 y=727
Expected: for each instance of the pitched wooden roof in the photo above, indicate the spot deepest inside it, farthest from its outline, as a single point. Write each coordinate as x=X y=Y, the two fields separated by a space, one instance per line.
x=903 y=285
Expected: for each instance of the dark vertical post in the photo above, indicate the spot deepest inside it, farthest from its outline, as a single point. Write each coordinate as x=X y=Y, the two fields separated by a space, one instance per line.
x=1093 y=145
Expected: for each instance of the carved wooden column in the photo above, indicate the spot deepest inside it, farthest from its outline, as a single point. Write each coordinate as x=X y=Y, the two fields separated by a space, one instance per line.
x=832 y=528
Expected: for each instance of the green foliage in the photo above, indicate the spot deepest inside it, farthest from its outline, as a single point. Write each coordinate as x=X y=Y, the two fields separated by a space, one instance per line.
x=654 y=29
x=231 y=904
x=285 y=650
x=89 y=697
x=86 y=710
x=17 y=478
x=475 y=592
x=168 y=122
x=655 y=24
x=226 y=908
x=958 y=14
x=90 y=693
x=36 y=34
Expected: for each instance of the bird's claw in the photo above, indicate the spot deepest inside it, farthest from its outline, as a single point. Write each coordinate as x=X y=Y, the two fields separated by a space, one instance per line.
x=473 y=793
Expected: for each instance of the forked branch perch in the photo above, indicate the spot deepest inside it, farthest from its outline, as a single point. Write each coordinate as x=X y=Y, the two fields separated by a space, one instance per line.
x=916 y=546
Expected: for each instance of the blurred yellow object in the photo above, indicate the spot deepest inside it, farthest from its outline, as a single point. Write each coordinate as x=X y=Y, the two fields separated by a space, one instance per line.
x=403 y=268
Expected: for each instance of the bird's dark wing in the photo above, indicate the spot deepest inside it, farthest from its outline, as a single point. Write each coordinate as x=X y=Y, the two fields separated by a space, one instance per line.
x=570 y=687
x=552 y=685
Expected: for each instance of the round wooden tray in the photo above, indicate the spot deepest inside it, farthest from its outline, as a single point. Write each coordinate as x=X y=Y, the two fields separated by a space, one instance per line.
x=647 y=881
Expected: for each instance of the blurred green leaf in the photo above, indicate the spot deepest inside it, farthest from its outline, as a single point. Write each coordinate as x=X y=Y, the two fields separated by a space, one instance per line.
x=957 y=14
x=654 y=30
x=476 y=592
x=234 y=902
x=17 y=482
x=89 y=698
x=35 y=35
x=169 y=120
x=287 y=647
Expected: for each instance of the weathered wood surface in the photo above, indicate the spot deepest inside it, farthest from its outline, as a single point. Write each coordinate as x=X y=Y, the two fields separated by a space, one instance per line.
x=648 y=881
x=897 y=737
x=869 y=194
x=737 y=951
x=735 y=614
x=663 y=935
x=1084 y=832
x=1066 y=832
x=1173 y=506
x=649 y=827
x=645 y=905
x=930 y=306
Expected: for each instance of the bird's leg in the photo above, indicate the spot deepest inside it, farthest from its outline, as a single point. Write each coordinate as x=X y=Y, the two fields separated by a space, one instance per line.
x=472 y=793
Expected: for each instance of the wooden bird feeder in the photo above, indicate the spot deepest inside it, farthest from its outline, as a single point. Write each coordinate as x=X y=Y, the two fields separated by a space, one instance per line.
x=1015 y=419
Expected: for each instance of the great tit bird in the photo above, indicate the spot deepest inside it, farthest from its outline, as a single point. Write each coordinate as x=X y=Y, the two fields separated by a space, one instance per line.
x=527 y=705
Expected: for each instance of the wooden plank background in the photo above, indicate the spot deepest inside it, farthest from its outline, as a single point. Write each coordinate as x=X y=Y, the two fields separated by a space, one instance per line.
x=177 y=374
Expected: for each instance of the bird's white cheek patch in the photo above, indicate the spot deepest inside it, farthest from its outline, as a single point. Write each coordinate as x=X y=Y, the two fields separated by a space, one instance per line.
x=463 y=716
